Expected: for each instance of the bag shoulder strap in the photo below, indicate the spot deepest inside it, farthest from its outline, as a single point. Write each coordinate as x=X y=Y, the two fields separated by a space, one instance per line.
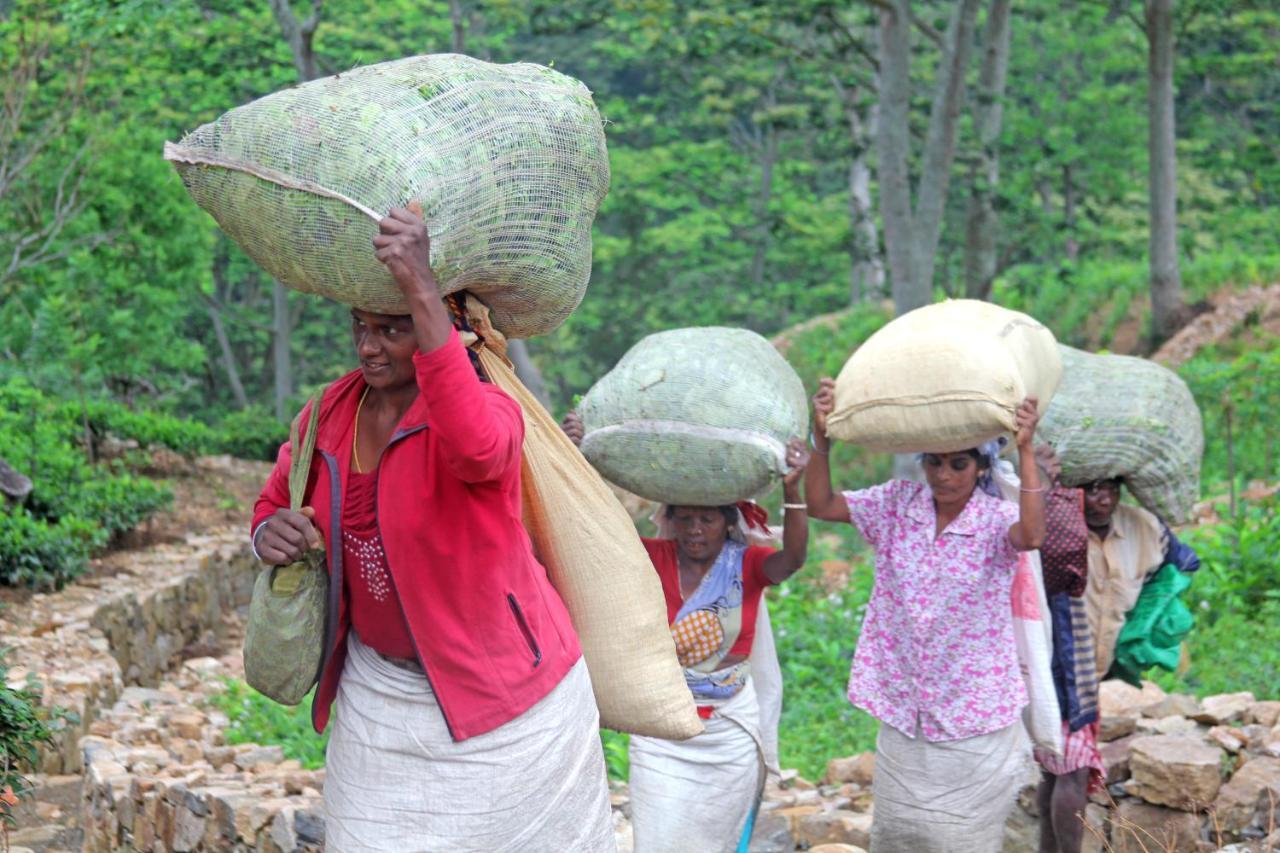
x=300 y=462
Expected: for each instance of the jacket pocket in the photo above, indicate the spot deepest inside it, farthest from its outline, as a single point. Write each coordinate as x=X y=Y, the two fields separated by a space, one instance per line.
x=523 y=624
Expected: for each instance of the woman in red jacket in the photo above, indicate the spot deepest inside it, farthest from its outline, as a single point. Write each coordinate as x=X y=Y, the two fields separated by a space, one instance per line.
x=464 y=713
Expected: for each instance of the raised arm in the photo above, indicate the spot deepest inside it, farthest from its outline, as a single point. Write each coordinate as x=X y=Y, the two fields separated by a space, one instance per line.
x=482 y=428
x=823 y=501
x=785 y=562
x=1028 y=533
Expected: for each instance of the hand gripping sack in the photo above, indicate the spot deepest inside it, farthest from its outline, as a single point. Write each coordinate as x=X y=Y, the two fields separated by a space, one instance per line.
x=285 y=639
x=507 y=161
x=944 y=378
x=1119 y=416
x=698 y=416
x=596 y=562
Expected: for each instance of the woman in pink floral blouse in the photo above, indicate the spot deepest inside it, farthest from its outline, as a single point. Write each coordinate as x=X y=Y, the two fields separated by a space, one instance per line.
x=936 y=661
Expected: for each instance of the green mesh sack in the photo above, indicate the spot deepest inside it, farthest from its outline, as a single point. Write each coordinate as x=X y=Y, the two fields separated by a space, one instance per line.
x=1119 y=416
x=697 y=417
x=285 y=639
x=507 y=161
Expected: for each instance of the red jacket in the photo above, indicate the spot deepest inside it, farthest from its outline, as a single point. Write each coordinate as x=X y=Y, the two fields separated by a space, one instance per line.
x=491 y=633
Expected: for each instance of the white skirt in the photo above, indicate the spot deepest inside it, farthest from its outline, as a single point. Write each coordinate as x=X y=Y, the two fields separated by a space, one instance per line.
x=395 y=780
x=946 y=797
x=695 y=795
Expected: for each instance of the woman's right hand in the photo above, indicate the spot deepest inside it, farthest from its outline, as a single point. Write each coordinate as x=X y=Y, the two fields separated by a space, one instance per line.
x=286 y=536
x=572 y=426
x=824 y=403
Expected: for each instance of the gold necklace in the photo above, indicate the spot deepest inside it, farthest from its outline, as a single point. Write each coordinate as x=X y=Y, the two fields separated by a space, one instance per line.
x=355 y=439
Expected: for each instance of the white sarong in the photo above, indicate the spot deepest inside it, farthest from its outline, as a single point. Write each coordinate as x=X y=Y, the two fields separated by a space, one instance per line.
x=396 y=780
x=946 y=797
x=695 y=796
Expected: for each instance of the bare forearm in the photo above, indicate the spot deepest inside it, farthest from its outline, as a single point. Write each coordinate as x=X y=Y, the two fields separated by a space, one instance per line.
x=795 y=539
x=1030 y=500
x=431 y=321
x=823 y=502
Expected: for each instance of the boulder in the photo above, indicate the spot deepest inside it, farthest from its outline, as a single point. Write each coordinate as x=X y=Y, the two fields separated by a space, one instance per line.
x=836 y=848
x=834 y=827
x=1175 y=771
x=1173 y=705
x=1232 y=740
x=1263 y=714
x=1118 y=699
x=1114 y=728
x=1238 y=800
x=1115 y=758
x=1167 y=726
x=771 y=833
x=1224 y=708
x=1135 y=824
x=857 y=769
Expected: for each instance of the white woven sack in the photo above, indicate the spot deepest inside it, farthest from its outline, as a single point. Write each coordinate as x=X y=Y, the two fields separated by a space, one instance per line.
x=507 y=161
x=943 y=378
x=698 y=417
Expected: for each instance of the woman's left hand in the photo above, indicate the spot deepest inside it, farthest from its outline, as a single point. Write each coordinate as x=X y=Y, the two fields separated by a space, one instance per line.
x=405 y=249
x=797 y=459
x=1025 y=420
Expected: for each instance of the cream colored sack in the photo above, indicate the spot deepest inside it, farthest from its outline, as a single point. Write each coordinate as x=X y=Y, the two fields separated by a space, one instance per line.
x=596 y=562
x=945 y=377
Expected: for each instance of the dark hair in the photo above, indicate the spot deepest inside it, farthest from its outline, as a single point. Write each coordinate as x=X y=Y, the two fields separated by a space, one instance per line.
x=729 y=511
x=983 y=462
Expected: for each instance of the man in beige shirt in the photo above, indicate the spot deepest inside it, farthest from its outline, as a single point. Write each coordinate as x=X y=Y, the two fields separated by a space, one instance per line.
x=1127 y=546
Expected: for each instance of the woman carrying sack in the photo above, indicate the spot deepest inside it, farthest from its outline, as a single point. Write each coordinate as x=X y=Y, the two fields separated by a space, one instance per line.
x=936 y=661
x=464 y=713
x=700 y=795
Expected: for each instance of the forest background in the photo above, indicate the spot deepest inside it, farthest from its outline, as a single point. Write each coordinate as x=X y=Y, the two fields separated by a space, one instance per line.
x=1105 y=166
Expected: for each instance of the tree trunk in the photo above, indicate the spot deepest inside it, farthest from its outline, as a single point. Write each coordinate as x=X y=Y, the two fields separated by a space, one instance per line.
x=228 y=357
x=1166 y=279
x=459 y=28
x=299 y=35
x=981 y=222
x=893 y=141
x=866 y=268
x=281 y=362
x=940 y=143
x=911 y=234
x=768 y=155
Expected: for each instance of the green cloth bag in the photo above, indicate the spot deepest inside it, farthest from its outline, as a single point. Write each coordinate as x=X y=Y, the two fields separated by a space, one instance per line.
x=1155 y=628
x=284 y=642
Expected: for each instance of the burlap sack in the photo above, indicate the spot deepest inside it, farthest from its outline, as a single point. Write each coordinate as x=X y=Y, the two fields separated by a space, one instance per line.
x=596 y=562
x=943 y=378
x=1119 y=416
x=699 y=417
x=507 y=161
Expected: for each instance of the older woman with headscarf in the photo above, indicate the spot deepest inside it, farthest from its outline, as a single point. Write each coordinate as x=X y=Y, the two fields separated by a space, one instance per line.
x=715 y=562
x=936 y=661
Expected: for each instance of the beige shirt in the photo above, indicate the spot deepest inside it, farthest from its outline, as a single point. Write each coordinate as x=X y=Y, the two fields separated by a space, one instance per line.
x=1118 y=567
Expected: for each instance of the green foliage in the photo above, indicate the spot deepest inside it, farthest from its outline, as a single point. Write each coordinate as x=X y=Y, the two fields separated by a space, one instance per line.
x=1243 y=389
x=1234 y=653
x=74 y=506
x=25 y=725
x=1240 y=572
x=251 y=433
x=617 y=760
x=257 y=719
x=816 y=629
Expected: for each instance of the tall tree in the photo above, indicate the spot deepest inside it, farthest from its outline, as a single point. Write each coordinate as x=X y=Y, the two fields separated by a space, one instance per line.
x=300 y=35
x=982 y=225
x=1166 y=277
x=911 y=231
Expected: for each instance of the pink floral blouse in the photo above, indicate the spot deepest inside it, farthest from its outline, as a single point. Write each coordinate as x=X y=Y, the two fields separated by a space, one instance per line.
x=937 y=640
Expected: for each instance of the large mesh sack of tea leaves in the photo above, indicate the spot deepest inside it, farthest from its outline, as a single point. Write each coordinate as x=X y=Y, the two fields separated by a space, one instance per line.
x=1119 y=416
x=507 y=161
x=699 y=417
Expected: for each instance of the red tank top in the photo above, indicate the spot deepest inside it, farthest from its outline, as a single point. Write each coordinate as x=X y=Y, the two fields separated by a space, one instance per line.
x=375 y=610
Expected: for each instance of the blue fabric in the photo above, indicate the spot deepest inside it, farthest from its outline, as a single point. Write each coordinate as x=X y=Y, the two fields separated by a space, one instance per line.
x=1072 y=664
x=1179 y=554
